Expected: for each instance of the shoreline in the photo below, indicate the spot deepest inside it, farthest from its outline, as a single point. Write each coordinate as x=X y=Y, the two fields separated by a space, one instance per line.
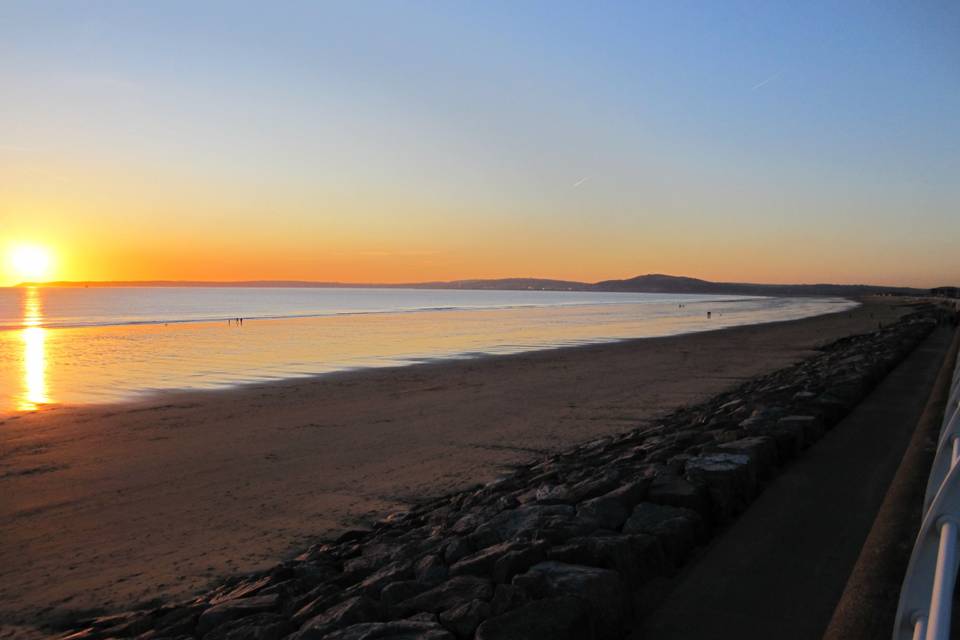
x=149 y=396
x=324 y=453
x=714 y=298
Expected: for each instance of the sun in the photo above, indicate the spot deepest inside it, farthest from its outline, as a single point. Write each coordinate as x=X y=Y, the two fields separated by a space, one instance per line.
x=30 y=263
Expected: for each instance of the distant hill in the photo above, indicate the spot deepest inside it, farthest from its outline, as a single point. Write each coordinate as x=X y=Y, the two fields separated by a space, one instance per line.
x=650 y=283
x=946 y=292
x=660 y=283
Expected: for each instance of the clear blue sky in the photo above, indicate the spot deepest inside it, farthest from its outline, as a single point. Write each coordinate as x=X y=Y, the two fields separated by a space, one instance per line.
x=388 y=141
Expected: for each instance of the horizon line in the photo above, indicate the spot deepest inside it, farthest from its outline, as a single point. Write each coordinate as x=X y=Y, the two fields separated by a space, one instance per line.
x=293 y=283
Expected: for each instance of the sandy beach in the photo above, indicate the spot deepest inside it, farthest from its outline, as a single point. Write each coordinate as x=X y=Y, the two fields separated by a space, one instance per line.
x=107 y=506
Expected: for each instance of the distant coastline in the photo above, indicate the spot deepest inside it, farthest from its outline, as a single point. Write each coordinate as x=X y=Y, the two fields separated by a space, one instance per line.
x=650 y=283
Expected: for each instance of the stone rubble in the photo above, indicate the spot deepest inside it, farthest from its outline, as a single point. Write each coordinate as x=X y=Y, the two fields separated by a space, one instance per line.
x=561 y=548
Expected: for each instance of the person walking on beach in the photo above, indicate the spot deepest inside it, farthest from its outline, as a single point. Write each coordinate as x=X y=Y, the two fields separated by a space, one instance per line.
x=708 y=315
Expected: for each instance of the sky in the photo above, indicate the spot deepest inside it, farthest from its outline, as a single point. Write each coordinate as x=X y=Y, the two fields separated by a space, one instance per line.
x=410 y=141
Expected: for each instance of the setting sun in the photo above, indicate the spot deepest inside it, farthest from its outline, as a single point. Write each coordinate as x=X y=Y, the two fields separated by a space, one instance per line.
x=30 y=263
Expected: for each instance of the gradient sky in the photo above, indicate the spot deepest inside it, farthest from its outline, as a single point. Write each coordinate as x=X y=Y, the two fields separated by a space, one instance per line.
x=400 y=141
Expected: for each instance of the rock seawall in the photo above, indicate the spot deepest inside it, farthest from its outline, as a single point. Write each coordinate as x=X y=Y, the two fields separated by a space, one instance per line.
x=573 y=546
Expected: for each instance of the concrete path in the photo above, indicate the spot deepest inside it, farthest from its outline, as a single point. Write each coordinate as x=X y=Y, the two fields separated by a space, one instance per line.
x=780 y=569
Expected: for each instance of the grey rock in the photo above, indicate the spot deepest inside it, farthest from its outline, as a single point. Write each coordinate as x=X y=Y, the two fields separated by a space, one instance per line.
x=396 y=630
x=762 y=451
x=260 y=626
x=559 y=618
x=637 y=558
x=423 y=616
x=430 y=569
x=500 y=561
x=396 y=592
x=446 y=595
x=373 y=558
x=676 y=528
x=730 y=480
x=606 y=511
x=351 y=611
x=507 y=597
x=393 y=572
x=595 y=486
x=602 y=589
x=554 y=494
x=677 y=491
x=457 y=548
x=243 y=589
x=315 y=602
x=233 y=609
x=516 y=561
x=464 y=619
x=626 y=495
x=520 y=522
x=789 y=438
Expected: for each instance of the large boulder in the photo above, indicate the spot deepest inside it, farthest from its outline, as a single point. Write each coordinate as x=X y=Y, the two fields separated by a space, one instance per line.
x=636 y=558
x=594 y=486
x=674 y=490
x=464 y=619
x=446 y=595
x=430 y=569
x=350 y=611
x=520 y=523
x=396 y=592
x=762 y=451
x=373 y=584
x=504 y=560
x=730 y=479
x=611 y=509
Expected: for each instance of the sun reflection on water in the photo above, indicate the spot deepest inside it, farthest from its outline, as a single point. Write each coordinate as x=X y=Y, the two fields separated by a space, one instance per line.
x=34 y=352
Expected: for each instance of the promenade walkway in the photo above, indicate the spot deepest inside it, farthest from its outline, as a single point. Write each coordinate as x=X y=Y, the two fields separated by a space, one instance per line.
x=780 y=569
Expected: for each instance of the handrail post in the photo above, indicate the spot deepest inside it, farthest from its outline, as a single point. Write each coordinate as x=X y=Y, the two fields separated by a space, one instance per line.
x=944 y=580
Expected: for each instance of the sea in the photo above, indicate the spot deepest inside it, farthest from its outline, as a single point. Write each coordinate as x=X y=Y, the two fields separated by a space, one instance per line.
x=107 y=344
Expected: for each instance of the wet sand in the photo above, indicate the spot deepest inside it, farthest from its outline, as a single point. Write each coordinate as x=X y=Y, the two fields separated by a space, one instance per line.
x=102 y=507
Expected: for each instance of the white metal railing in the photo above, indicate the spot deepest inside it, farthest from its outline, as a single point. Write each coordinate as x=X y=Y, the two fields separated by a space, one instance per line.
x=926 y=597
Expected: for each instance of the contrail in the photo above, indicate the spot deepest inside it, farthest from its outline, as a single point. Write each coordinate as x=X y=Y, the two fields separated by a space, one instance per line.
x=767 y=81
x=580 y=181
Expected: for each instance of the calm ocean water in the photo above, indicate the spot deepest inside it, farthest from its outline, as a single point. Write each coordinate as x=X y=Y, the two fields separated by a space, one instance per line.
x=106 y=344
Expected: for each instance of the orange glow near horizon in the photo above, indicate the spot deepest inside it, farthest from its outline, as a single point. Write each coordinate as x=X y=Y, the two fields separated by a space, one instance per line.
x=329 y=250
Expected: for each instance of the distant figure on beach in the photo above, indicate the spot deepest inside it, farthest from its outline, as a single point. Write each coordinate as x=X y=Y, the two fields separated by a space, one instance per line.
x=708 y=315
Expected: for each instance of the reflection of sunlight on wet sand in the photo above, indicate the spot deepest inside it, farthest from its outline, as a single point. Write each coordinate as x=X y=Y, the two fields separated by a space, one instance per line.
x=34 y=353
